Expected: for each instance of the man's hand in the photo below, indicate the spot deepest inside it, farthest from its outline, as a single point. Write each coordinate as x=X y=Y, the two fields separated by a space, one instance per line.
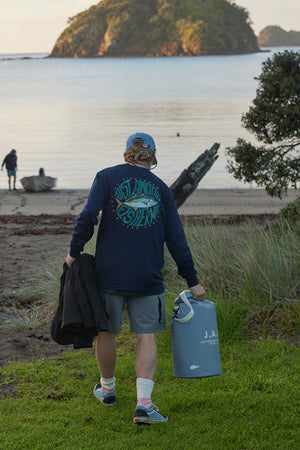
x=70 y=260
x=198 y=292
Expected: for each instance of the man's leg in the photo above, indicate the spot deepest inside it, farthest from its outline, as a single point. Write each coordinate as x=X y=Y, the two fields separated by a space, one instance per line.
x=106 y=353
x=15 y=179
x=9 y=184
x=145 y=367
x=146 y=356
x=147 y=317
x=105 y=391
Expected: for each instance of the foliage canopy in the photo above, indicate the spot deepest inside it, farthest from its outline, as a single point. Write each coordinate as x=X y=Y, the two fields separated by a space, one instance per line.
x=274 y=119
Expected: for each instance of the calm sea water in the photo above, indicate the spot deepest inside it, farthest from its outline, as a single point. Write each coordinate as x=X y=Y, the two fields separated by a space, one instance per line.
x=73 y=116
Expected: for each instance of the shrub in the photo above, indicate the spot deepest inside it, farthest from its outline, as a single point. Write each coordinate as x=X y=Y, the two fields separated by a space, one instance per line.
x=291 y=212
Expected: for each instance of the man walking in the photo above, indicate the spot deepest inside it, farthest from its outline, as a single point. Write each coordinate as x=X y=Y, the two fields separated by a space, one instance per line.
x=138 y=216
x=10 y=162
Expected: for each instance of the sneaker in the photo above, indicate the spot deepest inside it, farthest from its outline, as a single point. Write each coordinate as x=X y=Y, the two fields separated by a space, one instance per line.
x=148 y=415
x=106 y=399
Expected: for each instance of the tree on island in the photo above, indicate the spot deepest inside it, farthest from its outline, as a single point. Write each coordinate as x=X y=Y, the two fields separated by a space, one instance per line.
x=275 y=36
x=123 y=28
x=274 y=119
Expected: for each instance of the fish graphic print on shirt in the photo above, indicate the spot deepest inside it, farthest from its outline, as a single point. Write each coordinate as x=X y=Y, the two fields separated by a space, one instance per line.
x=136 y=203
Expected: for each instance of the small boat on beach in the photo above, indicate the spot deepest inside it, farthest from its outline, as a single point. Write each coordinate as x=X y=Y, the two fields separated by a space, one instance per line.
x=38 y=183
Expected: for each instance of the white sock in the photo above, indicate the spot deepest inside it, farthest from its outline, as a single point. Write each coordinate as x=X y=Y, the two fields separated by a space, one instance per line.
x=144 y=389
x=107 y=384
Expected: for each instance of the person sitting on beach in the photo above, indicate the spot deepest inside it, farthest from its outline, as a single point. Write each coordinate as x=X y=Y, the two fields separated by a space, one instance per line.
x=10 y=162
x=139 y=214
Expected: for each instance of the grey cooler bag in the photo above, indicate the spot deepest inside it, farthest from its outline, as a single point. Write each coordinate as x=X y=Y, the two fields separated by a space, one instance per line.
x=195 y=341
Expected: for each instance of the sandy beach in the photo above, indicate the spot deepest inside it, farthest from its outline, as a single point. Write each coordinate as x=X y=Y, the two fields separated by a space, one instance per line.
x=203 y=202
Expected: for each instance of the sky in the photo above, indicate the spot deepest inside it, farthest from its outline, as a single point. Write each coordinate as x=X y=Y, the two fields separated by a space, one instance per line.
x=32 y=26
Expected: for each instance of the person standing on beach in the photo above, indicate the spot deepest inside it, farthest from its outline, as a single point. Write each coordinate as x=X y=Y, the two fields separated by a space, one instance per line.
x=10 y=162
x=138 y=215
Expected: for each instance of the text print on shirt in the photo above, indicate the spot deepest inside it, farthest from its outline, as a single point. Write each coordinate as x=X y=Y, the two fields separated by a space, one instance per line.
x=136 y=203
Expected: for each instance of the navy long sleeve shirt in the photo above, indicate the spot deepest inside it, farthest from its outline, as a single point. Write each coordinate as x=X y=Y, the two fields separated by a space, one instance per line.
x=139 y=215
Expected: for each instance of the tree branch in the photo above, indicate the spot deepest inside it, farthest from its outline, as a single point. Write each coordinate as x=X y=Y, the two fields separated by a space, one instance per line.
x=189 y=179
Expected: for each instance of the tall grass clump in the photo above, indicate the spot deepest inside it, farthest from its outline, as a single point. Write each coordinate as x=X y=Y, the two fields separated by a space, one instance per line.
x=33 y=303
x=252 y=271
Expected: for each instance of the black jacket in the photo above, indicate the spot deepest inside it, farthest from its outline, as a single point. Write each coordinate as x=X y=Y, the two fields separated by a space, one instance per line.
x=81 y=313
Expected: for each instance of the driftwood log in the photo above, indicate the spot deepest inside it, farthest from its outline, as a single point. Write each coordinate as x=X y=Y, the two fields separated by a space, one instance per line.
x=189 y=179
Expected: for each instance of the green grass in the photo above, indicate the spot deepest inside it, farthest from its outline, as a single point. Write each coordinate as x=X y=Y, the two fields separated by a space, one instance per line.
x=252 y=405
x=251 y=272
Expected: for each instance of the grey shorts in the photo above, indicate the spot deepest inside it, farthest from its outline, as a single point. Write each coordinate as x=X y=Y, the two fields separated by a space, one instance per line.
x=147 y=314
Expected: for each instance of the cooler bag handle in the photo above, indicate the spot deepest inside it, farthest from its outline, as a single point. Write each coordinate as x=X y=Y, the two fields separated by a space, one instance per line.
x=190 y=314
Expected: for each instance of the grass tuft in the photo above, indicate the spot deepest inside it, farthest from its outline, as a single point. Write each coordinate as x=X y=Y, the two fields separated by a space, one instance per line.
x=253 y=270
x=33 y=304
